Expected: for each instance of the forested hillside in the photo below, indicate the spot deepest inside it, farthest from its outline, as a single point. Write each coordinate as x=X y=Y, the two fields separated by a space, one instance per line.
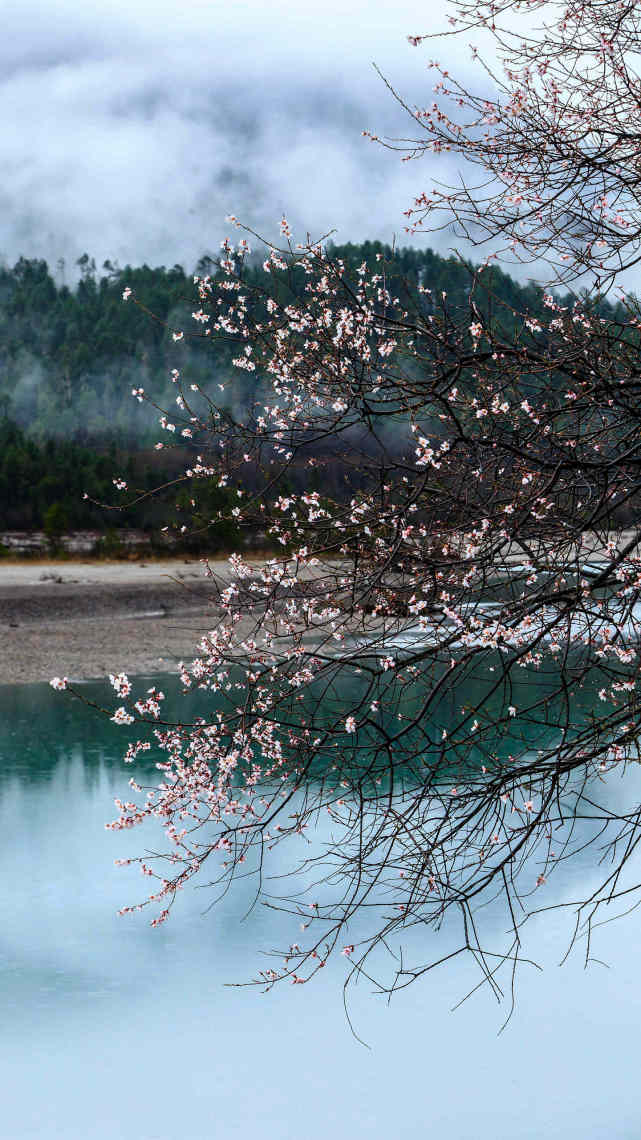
x=70 y=356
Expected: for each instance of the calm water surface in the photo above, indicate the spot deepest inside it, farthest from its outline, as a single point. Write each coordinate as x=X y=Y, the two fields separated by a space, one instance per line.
x=111 y=1029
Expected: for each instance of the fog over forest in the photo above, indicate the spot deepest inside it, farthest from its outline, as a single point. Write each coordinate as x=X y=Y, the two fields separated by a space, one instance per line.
x=70 y=358
x=133 y=130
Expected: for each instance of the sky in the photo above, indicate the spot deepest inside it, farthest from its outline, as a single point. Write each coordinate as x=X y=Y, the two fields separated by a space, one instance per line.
x=131 y=130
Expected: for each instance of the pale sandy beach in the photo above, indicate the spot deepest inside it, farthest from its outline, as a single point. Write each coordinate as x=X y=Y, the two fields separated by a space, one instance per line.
x=87 y=619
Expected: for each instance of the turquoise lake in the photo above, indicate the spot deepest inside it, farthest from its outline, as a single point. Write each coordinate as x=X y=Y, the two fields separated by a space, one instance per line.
x=112 y=1029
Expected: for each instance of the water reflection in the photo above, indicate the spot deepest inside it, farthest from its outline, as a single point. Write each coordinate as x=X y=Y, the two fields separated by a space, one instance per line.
x=112 y=1029
x=39 y=728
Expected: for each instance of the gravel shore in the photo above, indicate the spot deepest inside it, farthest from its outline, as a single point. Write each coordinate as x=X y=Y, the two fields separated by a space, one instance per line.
x=83 y=619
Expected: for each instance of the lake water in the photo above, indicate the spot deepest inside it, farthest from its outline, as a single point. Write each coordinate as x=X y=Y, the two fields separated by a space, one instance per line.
x=112 y=1029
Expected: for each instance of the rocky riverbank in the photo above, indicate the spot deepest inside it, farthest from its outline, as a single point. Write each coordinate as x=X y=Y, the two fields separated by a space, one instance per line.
x=89 y=619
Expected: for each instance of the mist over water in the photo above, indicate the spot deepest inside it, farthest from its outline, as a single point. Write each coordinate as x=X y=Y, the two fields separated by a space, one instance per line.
x=111 y=1028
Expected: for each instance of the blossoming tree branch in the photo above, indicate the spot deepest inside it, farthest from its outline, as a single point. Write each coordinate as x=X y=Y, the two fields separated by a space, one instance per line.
x=421 y=701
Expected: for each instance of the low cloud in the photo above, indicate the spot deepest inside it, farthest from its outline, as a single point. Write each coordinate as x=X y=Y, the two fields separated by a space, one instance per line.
x=132 y=133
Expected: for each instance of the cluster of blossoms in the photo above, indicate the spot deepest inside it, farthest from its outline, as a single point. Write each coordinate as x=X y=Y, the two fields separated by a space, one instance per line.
x=563 y=168
x=449 y=488
x=406 y=558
